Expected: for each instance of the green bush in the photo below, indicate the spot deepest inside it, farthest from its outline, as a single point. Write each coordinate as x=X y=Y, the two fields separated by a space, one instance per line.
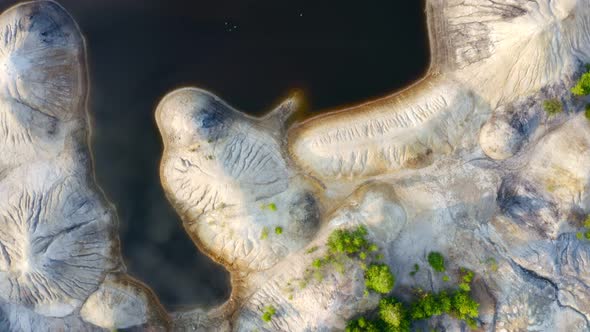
x=264 y=233
x=466 y=277
x=394 y=315
x=268 y=313
x=437 y=261
x=459 y=305
x=317 y=263
x=579 y=235
x=552 y=106
x=311 y=250
x=587 y=112
x=378 y=277
x=361 y=325
x=278 y=230
x=582 y=87
x=429 y=305
x=465 y=307
x=348 y=242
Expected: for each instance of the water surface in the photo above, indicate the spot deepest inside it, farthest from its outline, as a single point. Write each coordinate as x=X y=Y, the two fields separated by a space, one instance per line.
x=249 y=52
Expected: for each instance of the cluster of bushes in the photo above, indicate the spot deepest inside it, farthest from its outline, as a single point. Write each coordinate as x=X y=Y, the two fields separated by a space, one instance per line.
x=586 y=232
x=580 y=89
x=395 y=316
x=345 y=245
x=458 y=303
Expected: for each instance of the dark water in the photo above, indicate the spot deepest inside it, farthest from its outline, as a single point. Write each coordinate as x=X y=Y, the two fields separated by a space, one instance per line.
x=249 y=52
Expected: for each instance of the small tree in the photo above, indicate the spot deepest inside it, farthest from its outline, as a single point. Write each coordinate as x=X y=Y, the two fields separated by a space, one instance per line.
x=437 y=261
x=465 y=307
x=394 y=314
x=582 y=87
x=378 y=277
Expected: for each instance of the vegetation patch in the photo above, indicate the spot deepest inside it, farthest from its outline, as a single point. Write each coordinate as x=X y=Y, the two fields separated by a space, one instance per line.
x=585 y=233
x=492 y=263
x=582 y=87
x=311 y=250
x=395 y=316
x=378 y=277
x=466 y=278
x=552 y=106
x=436 y=261
x=278 y=230
x=264 y=233
x=268 y=313
x=271 y=207
x=361 y=324
x=345 y=246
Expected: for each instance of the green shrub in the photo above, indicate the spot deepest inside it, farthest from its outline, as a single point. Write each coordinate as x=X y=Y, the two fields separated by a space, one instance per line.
x=378 y=277
x=587 y=112
x=446 y=278
x=587 y=222
x=311 y=250
x=582 y=87
x=268 y=313
x=361 y=325
x=493 y=264
x=394 y=315
x=348 y=242
x=587 y=235
x=437 y=261
x=466 y=278
x=459 y=304
x=579 y=235
x=552 y=106
x=344 y=245
x=270 y=206
x=278 y=230
x=429 y=305
x=416 y=269
x=318 y=263
x=264 y=233
x=464 y=307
